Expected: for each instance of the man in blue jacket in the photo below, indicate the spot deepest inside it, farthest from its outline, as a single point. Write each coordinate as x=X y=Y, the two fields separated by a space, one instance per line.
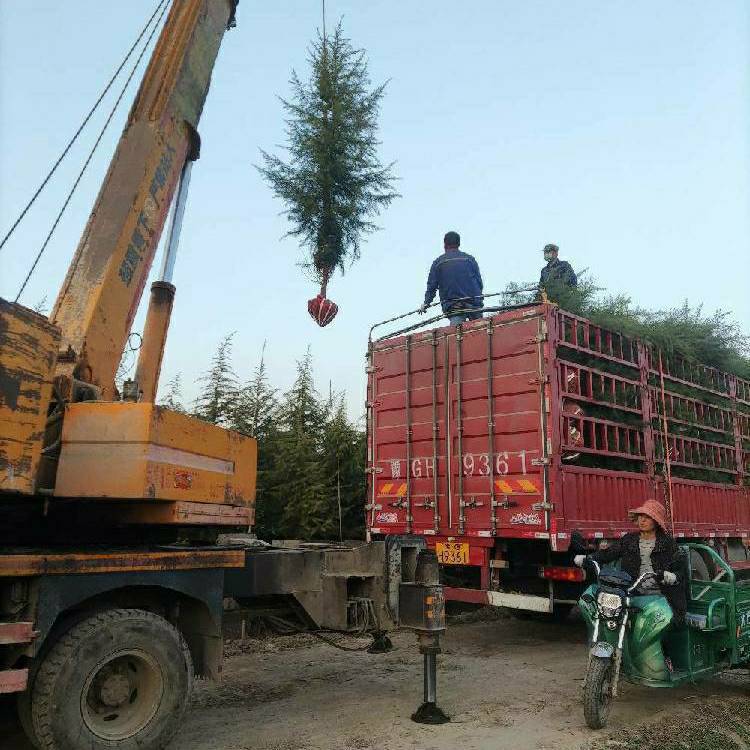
x=456 y=276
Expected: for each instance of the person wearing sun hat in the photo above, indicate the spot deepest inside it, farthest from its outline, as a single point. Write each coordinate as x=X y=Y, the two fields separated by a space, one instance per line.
x=651 y=549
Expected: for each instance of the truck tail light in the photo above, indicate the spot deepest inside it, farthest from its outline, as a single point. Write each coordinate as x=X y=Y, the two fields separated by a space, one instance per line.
x=560 y=573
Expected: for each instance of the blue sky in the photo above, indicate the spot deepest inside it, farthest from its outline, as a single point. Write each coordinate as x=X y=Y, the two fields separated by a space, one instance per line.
x=618 y=130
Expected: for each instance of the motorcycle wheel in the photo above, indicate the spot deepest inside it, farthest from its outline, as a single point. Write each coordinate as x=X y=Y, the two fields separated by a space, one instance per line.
x=597 y=692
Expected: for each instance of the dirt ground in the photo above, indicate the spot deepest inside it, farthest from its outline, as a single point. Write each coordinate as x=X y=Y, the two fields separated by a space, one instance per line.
x=506 y=683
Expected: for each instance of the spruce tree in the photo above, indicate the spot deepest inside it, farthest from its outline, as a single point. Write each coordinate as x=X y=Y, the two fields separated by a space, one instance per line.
x=297 y=487
x=256 y=403
x=333 y=182
x=173 y=398
x=255 y=414
x=344 y=466
x=218 y=397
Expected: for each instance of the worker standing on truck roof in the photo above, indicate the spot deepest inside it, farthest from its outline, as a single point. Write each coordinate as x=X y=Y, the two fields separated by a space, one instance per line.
x=556 y=274
x=456 y=276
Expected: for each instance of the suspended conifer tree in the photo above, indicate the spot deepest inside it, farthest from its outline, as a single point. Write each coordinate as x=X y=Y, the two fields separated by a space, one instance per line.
x=333 y=182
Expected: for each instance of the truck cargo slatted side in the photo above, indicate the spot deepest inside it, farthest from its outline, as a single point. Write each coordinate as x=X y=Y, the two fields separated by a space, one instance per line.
x=533 y=422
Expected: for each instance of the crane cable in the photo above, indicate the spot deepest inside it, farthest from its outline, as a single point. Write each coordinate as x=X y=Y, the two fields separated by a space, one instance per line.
x=163 y=5
x=80 y=127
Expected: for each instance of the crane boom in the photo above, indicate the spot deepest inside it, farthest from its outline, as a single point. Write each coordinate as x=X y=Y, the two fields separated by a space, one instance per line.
x=62 y=425
x=104 y=284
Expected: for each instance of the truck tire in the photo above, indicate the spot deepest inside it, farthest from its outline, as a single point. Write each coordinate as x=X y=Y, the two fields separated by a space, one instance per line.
x=118 y=680
x=23 y=709
x=597 y=692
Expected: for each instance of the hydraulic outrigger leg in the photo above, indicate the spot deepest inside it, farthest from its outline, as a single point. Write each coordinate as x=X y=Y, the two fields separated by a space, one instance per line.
x=422 y=609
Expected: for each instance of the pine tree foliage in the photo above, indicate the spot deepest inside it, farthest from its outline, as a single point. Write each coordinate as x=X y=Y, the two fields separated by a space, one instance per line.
x=311 y=455
x=219 y=385
x=256 y=404
x=173 y=398
x=255 y=414
x=333 y=182
x=41 y=307
x=344 y=468
x=715 y=339
x=299 y=479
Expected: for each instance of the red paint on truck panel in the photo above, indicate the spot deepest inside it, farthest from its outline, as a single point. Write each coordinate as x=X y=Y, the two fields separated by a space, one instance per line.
x=13 y=680
x=471 y=433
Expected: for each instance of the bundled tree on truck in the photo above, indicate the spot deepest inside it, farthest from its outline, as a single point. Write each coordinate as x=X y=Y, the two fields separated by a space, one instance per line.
x=683 y=339
x=685 y=331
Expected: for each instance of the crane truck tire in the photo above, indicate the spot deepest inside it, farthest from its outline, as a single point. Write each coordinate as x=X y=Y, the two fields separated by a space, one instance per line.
x=120 y=679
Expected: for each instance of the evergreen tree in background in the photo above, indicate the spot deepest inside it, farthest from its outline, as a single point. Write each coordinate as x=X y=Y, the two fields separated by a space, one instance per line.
x=344 y=469
x=255 y=414
x=173 y=398
x=256 y=403
x=41 y=307
x=298 y=483
x=218 y=397
x=333 y=181
x=311 y=456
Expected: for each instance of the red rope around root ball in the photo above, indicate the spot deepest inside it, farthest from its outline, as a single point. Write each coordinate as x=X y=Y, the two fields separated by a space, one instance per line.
x=322 y=310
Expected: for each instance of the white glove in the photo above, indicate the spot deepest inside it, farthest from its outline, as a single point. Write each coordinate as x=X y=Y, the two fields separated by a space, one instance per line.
x=422 y=310
x=579 y=560
x=669 y=578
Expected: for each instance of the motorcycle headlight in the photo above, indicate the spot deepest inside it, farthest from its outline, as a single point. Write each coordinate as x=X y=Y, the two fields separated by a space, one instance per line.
x=610 y=605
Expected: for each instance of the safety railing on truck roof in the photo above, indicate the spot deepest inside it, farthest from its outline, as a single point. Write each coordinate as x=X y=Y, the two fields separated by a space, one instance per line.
x=425 y=322
x=581 y=334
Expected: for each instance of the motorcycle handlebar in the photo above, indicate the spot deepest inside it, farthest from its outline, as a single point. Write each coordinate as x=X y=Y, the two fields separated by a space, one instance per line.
x=641 y=579
x=598 y=569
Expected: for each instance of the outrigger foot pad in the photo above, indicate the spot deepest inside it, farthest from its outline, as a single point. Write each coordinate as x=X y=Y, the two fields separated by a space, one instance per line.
x=381 y=643
x=429 y=713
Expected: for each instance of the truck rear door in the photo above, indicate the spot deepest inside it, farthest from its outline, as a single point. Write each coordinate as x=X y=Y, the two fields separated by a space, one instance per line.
x=497 y=423
x=408 y=484
x=456 y=420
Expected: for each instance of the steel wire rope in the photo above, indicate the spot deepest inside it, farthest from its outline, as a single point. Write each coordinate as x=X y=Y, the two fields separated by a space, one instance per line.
x=93 y=149
x=80 y=127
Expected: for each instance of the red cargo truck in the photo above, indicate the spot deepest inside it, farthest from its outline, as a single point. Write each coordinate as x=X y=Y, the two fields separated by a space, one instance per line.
x=497 y=439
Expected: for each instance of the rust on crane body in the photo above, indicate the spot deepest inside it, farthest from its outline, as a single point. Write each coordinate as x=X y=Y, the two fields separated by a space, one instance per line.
x=28 y=350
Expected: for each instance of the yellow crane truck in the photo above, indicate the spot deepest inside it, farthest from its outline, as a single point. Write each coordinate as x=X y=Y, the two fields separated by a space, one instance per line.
x=104 y=619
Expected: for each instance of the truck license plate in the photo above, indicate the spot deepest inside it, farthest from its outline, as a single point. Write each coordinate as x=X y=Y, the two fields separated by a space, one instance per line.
x=452 y=553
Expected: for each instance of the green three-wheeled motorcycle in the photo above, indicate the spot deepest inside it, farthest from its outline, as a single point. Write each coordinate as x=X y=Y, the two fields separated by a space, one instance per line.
x=635 y=636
